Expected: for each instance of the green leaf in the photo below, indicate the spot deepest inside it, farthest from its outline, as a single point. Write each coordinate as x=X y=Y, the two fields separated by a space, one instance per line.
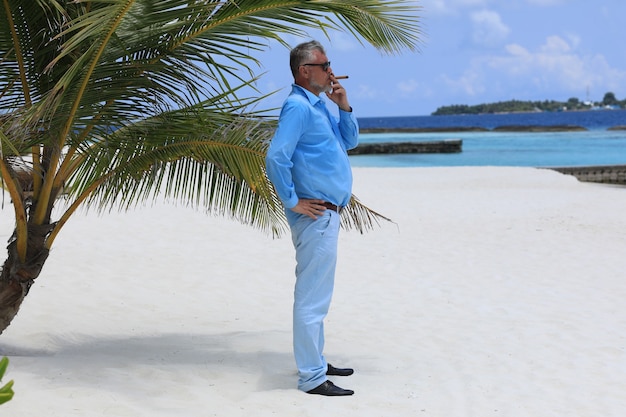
x=6 y=392
x=4 y=363
x=5 y=397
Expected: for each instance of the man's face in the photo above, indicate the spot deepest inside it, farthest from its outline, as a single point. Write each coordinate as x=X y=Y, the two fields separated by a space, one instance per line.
x=319 y=78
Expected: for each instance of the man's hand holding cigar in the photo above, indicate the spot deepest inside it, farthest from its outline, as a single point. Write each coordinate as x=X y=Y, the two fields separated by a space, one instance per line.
x=338 y=94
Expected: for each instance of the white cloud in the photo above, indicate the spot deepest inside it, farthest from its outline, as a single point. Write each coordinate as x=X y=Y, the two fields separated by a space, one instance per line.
x=403 y=91
x=547 y=2
x=488 y=28
x=341 y=41
x=365 y=91
x=436 y=6
x=553 y=70
x=573 y=39
x=455 y=6
x=471 y=83
x=556 y=46
x=469 y=3
x=557 y=64
x=408 y=86
x=450 y=6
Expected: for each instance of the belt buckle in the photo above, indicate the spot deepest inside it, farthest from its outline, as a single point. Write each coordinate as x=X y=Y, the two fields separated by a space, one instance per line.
x=333 y=207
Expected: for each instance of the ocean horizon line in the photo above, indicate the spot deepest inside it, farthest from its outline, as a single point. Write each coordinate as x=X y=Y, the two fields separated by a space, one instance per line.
x=595 y=109
x=589 y=119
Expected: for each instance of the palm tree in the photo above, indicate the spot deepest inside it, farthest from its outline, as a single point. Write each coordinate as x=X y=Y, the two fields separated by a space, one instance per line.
x=108 y=103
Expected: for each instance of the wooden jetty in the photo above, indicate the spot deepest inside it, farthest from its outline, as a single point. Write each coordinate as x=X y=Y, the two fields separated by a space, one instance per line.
x=438 y=146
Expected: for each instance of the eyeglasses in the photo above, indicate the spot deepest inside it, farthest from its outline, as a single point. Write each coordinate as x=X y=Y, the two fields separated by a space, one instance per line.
x=324 y=65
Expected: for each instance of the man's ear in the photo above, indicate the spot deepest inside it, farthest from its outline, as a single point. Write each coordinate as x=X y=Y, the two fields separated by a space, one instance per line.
x=303 y=71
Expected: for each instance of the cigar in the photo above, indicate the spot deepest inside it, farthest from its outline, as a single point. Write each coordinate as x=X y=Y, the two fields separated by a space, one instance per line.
x=340 y=77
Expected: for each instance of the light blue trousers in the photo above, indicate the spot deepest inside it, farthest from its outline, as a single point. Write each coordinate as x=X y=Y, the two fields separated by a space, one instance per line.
x=315 y=242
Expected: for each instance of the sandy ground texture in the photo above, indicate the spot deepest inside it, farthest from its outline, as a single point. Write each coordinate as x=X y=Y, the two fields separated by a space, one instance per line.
x=496 y=292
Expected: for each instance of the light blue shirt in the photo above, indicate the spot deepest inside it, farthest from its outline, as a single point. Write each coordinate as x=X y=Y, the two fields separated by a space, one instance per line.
x=307 y=157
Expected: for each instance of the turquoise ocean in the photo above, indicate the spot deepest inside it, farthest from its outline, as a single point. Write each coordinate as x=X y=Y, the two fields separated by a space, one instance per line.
x=596 y=146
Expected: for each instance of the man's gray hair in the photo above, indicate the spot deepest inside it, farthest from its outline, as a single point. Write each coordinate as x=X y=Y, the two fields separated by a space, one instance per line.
x=302 y=53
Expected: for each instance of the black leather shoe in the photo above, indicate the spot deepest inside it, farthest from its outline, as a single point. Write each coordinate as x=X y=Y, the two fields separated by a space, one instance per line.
x=331 y=390
x=339 y=371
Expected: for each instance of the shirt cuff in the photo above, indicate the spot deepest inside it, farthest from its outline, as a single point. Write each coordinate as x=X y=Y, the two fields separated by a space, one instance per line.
x=291 y=203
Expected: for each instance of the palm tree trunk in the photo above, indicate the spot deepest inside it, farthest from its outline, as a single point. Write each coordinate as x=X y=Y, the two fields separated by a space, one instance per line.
x=17 y=277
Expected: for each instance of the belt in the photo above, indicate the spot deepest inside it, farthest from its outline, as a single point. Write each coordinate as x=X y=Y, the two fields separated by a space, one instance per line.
x=331 y=206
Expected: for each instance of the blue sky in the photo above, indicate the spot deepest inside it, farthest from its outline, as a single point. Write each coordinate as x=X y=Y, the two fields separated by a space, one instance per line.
x=478 y=51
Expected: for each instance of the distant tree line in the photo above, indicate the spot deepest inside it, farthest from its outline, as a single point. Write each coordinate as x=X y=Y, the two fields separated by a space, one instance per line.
x=512 y=106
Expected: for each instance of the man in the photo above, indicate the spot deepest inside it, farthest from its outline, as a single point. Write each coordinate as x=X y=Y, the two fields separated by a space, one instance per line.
x=309 y=167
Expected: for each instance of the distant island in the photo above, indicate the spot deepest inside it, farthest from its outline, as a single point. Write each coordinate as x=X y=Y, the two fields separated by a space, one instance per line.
x=518 y=106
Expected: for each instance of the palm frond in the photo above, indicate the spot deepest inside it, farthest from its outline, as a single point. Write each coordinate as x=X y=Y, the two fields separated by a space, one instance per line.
x=206 y=158
x=359 y=217
x=143 y=94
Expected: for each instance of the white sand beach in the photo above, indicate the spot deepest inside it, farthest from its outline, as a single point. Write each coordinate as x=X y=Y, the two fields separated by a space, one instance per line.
x=497 y=292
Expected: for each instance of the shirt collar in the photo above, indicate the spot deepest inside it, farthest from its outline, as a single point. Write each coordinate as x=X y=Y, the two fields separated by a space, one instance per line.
x=313 y=99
